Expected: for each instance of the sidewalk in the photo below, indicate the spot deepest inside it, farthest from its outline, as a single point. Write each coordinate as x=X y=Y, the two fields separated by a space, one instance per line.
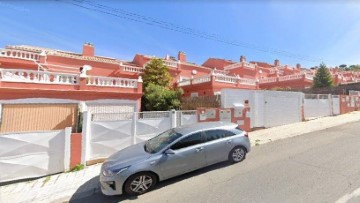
x=62 y=187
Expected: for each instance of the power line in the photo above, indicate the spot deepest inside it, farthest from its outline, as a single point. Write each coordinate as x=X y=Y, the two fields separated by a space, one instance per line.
x=121 y=13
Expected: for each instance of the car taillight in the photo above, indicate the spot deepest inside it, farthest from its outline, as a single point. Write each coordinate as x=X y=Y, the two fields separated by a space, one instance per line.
x=246 y=135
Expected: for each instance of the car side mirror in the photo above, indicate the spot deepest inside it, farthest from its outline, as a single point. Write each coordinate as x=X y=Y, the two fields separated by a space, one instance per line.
x=169 y=151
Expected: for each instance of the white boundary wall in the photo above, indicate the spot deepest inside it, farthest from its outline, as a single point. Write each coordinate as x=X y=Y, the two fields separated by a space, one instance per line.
x=34 y=154
x=267 y=108
x=316 y=105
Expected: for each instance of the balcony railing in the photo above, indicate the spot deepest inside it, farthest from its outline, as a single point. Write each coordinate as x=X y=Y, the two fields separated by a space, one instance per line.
x=267 y=80
x=243 y=64
x=309 y=77
x=218 y=78
x=111 y=82
x=226 y=79
x=291 y=77
x=132 y=69
x=29 y=76
x=246 y=81
x=232 y=66
x=203 y=79
x=249 y=65
x=220 y=72
x=171 y=63
x=184 y=83
x=9 y=53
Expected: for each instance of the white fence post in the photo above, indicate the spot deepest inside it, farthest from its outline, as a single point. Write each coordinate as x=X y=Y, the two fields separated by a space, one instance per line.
x=67 y=151
x=133 y=127
x=85 y=137
x=173 y=118
x=331 y=105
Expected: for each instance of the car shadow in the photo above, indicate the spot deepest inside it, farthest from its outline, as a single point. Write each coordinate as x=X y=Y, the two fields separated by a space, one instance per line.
x=90 y=191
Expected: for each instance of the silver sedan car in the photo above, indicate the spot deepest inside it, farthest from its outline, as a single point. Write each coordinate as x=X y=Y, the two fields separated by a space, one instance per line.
x=136 y=169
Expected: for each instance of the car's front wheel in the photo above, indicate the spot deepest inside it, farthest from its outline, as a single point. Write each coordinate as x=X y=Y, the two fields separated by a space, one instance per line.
x=140 y=183
x=237 y=154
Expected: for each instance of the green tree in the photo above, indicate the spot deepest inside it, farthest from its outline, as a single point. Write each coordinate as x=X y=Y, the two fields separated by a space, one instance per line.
x=159 y=98
x=354 y=67
x=322 y=77
x=156 y=73
x=159 y=95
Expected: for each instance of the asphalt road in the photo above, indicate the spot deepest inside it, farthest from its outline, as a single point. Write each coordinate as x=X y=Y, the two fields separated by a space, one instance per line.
x=323 y=166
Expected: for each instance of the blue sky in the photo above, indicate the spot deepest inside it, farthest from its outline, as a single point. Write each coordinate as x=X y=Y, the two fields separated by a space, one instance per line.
x=326 y=31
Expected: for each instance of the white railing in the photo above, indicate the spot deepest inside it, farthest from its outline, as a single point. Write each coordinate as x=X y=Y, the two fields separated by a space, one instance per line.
x=111 y=82
x=246 y=81
x=291 y=77
x=203 y=79
x=234 y=80
x=218 y=78
x=132 y=69
x=171 y=63
x=220 y=72
x=29 y=76
x=9 y=53
x=226 y=79
x=184 y=83
x=236 y=65
x=267 y=80
x=232 y=66
x=249 y=65
x=309 y=77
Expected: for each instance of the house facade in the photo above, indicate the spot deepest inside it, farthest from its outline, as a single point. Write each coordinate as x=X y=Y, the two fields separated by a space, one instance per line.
x=35 y=72
x=42 y=89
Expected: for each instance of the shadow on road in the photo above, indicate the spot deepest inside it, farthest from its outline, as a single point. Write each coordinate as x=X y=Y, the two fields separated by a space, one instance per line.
x=90 y=191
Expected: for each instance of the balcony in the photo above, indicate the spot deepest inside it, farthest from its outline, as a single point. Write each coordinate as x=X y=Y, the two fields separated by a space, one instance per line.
x=291 y=77
x=38 y=77
x=219 y=80
x=240 y=64
x=132 y=69
x=171 y=63
x=268 y=80
x=286 y=78
x=40 y=81
x=111 y=82
x=17 y=54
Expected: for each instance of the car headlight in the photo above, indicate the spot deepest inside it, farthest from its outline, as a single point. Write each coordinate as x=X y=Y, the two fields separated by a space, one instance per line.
x=112 y=172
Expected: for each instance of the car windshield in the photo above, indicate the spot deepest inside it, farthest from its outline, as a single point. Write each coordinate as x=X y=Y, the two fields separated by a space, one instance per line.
x=159 y=142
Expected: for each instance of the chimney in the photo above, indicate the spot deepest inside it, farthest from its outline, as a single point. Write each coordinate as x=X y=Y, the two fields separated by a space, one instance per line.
x=182 y=56
x=242 y=59
x=298 y=66
x=277 y=62
x=88 y=49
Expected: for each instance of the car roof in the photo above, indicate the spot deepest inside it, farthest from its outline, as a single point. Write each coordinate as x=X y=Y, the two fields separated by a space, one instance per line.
x=186 y=129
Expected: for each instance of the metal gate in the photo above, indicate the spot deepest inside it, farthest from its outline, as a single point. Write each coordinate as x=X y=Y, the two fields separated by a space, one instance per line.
x=282 y=108
x=32 y=154
x=111 y=132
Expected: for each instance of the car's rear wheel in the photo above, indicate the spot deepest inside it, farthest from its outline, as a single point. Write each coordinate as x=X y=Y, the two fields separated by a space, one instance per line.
x=140 y=183
x=237 y=154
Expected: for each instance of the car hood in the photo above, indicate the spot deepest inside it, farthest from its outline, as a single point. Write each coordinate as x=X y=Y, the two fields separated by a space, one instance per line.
x=126 y=157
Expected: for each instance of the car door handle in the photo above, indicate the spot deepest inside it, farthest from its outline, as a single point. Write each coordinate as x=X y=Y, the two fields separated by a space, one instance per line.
x=228 y=141
x=199 y=149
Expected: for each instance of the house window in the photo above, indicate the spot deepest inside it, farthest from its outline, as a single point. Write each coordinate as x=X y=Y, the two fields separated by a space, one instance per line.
x=194 y=94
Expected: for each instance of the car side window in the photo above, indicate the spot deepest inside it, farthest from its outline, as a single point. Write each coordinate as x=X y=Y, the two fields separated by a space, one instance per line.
x=188 y=141
x=217 y=134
